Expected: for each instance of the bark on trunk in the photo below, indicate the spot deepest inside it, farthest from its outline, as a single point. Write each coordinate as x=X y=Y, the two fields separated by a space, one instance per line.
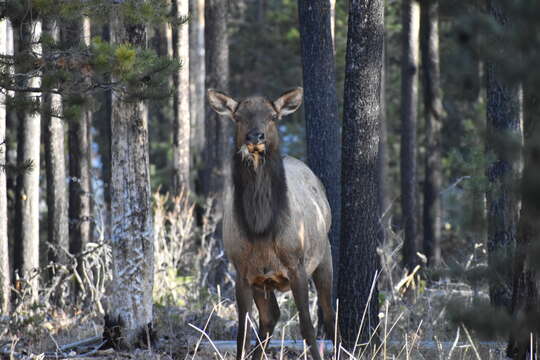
x=217 y=148
x=132 y=231
x=55 y=165
x=361 y=231
x=321 y=108
x=181 y=105
x=526 y=296
x=333 y=23
x=410 y=17
x=382 y=162
x=433 y=113
x=196 y=80
x=503 y=130
x=80 y=215
x=28 y=146
x=4 y=248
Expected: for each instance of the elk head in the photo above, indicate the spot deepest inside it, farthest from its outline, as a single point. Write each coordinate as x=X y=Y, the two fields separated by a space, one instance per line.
x=255 y=119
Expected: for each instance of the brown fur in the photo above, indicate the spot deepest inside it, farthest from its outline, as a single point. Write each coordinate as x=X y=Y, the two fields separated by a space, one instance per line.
x=276 y=221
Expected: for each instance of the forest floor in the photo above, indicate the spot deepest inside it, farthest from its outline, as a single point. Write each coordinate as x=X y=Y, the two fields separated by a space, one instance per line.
x=193 y=322
x=413 y=326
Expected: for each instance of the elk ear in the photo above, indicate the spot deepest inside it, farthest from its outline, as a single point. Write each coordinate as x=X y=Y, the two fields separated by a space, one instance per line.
x=289 y=102
x=221 y=103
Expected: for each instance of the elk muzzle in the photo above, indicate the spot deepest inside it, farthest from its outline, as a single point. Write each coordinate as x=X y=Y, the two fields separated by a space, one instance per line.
x=254 y=148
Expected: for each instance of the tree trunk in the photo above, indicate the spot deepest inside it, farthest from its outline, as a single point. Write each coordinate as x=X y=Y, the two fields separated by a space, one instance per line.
x=28 y=152
x=333 y=23
x=132 y=231
x=321 y=108
x=102 y=125
x=382 y=162
x=526 y=295
x=196 y=80
x=433 y=113
x=503 y=130
x=57 y=199
x=410 y=17
x=4 y=248
x=217 y=149
x=360 y=227
x=181 y=122
x=80 y=216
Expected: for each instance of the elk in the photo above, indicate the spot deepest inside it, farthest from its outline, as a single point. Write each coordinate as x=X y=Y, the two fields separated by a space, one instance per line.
x=276 y=221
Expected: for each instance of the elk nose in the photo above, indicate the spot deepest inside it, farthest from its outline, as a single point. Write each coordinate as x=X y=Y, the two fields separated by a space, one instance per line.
x=255 y=137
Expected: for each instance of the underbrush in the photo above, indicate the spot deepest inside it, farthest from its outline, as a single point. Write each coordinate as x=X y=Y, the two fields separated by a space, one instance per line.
x=195 y=313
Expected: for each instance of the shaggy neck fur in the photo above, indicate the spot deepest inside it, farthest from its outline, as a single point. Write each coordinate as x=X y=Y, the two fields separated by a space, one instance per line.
x=260 y=195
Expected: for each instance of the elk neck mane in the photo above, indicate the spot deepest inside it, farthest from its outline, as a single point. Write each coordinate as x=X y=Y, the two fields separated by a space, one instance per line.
x=260 y=196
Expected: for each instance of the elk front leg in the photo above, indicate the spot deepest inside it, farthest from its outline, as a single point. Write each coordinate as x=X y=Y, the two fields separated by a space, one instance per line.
x=244 y=301
x=266 y=303
x=299 y=286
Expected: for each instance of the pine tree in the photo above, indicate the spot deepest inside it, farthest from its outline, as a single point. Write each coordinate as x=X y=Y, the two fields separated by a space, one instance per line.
x=360 y=226
x=410 y=17
x=196 y=79
x=433 y=113
x=28 y=155
x=57 y=199
x=503 y=129
x=131 y=208
x=321 y=107
x=181 y=103
x=76 y=33
x=217 y=129
x=5 y=269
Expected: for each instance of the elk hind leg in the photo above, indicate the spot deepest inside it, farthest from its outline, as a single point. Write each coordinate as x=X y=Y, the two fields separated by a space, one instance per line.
x=299 y=286
x=322 y=277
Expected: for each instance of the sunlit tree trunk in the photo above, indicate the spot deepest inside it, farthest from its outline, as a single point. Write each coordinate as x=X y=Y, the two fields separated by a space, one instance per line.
x=360 y=226
x=503 y=129
x=55 y=167
x=181 y=105
x=410 y=17
x=5 y=269
x=196 y=79
x=217 y=129
x=28 y=152
x=433 y=113
x=333 y=22
x=132 y=231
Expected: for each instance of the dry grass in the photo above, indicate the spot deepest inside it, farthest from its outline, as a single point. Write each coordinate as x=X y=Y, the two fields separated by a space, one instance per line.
x=197 y=321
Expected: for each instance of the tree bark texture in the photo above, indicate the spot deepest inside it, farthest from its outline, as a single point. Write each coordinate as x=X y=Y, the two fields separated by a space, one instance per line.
x=131 y=206
x=433 y=113
x=410 y=17
x=181 y=104
x=503 y=132
x=55 y=167
x=217 y=149
x=360 y=225
x=79 y=141
x=333 y=23
x=196 y=80
x=321 y=108
x=28 y=152
x=382 y=162
x=526 y=295
x=5 y=269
